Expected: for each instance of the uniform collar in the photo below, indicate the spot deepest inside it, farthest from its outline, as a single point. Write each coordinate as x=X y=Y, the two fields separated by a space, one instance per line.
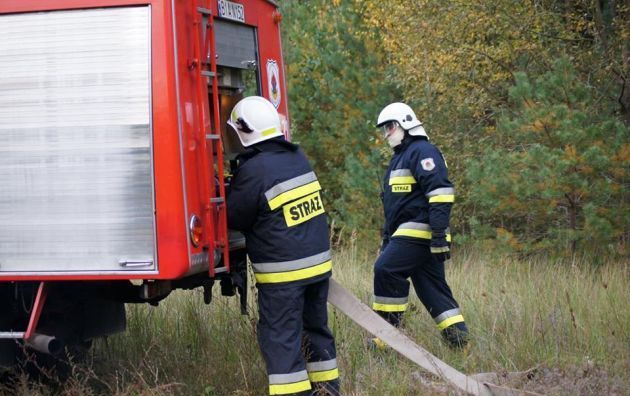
x=406 y=142
x=276 y=144
x=403 y=145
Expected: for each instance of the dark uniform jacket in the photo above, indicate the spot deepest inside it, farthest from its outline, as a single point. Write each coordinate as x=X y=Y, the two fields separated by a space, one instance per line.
x=417 y=195
x=274 y=199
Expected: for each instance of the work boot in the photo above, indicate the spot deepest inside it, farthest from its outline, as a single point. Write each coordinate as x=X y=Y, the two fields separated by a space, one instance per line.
x=327 y=388
x=394 y=318
x=375 y=343
x=456 y=335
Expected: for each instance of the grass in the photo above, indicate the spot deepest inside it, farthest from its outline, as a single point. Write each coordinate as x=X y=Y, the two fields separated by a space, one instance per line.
x=568 y=319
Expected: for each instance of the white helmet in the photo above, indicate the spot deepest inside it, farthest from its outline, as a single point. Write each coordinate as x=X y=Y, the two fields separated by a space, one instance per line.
x=255 y=119
x=404 y=116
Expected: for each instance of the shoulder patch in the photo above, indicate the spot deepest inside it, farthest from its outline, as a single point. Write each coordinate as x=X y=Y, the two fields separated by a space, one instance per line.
x=428 y=164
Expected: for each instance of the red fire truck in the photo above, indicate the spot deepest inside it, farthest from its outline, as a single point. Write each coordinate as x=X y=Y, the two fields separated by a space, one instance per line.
x=113 y=151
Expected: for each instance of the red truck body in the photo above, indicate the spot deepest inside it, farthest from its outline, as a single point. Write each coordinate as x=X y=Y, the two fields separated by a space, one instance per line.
x=113 y=134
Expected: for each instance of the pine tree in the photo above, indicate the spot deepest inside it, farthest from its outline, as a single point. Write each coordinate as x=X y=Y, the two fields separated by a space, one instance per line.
x=338 y=82
x=559 y=178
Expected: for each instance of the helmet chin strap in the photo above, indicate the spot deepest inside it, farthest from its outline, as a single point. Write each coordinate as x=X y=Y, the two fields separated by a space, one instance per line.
x=396 y=137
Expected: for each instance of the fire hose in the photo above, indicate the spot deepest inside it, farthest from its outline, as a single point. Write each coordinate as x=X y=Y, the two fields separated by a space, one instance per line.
x=363 y=315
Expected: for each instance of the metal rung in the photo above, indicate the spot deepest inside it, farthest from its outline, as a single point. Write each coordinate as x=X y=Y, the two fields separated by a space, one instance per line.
x=217 y=200
x=11 y=335
x=207 y=73
x=211 y=136
x=204 y=11
x=219 y=270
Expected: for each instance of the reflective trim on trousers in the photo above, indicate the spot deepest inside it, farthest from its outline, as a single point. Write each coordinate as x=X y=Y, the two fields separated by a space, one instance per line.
x=448 y=318
x=417 y=230
x=391 y=300
x=322 y=371
x=323 y=376
x=283 y=384
x=390 y=304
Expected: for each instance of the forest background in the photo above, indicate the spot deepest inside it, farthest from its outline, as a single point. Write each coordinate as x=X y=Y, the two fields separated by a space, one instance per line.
x=529 y=102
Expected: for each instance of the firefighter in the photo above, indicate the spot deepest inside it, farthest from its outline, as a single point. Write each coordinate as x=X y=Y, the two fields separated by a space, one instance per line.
x=275 y=200
x=417 y=199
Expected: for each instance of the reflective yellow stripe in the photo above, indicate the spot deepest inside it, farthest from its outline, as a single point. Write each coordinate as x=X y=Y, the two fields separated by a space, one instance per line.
x=413 y=233
x=442 y=198
x=285 y=389
x=417 y=234
x=321 y=376
x=442 y=249
x=389 y=307
x=402 y=180
x=277 y=277
x=269 y=131
x=296 y=193
x=450 y=321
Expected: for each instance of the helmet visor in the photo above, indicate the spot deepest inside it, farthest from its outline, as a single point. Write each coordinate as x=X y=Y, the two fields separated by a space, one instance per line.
x=388 y=127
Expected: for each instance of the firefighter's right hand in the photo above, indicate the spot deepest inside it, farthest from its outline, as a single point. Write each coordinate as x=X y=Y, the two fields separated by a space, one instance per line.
x=439 y=247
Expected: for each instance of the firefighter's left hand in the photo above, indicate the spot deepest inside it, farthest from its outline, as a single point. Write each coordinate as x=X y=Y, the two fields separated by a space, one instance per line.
x=439 y=247
x=442 y=253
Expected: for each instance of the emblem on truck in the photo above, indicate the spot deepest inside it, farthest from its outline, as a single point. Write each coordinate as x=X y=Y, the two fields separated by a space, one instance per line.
x=273 y=81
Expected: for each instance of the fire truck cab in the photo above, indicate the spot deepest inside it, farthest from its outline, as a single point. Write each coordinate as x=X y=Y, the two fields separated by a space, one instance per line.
x=113 y=156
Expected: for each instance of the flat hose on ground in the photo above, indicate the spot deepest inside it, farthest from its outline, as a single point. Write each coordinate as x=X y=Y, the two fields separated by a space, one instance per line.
x=363 y=315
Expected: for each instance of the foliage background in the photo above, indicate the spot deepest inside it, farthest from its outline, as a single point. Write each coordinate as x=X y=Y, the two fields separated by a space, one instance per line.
x=529 y=101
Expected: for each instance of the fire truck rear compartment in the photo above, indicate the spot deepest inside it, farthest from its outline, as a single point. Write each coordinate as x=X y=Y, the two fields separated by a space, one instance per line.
x=75 y=142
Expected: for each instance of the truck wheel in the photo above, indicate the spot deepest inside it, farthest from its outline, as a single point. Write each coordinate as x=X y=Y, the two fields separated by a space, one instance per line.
x=8 y=348
x=8 y=354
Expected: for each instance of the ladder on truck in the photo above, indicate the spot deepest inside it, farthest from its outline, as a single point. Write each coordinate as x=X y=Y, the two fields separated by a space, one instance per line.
x=204 y=66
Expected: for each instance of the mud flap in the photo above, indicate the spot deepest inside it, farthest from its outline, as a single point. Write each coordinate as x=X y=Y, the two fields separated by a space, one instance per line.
x=363 y=315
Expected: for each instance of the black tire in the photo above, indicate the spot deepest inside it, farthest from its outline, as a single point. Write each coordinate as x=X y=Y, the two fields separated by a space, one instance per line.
x=8 y=348
x=8 y=354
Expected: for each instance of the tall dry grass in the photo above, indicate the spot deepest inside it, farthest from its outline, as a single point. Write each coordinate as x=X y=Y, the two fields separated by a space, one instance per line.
x=567 y=318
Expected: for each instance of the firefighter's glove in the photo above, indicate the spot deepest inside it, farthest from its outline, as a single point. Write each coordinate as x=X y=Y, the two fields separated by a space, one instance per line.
x=439 y=246
x=227 y=179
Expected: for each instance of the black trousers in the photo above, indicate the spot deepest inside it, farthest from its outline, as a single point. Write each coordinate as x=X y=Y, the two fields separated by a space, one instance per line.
x=295 y=341
x=402 y=259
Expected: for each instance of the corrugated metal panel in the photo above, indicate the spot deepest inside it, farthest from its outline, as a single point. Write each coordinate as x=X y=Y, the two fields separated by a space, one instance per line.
x=76 y=185
x=236 y=45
